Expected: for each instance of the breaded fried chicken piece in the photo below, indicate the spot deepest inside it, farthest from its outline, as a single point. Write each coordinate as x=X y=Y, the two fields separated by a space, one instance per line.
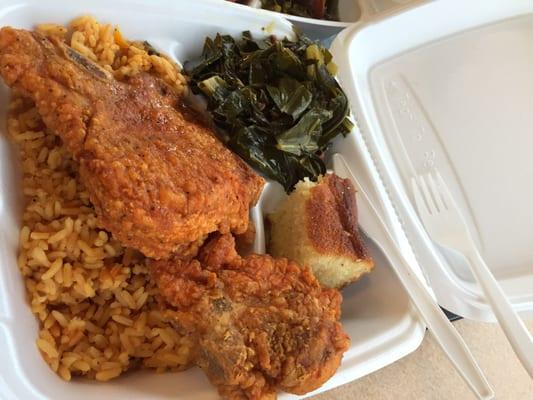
x=262 y=323
x=158 y=179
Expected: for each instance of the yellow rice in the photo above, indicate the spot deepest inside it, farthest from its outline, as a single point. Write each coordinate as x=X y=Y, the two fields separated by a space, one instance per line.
x=97 y=307
x=105 y=45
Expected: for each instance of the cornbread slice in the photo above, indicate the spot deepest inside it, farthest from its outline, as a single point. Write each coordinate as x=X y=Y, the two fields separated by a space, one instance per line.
x=317 y=226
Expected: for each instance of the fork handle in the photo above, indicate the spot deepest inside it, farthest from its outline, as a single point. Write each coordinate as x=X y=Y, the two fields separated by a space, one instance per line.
x=511 y=323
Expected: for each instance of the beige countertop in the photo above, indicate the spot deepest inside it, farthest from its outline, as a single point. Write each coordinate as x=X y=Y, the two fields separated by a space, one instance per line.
x=427 y=374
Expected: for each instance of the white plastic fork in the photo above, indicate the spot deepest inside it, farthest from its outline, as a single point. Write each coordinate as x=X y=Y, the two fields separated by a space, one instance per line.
x=445 y=225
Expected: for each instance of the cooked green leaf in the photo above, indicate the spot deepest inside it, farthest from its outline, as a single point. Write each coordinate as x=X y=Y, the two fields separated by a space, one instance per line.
x=290 y=96
x=214 y=87
x=304 y=136
x=274 y=102
x=285 y=61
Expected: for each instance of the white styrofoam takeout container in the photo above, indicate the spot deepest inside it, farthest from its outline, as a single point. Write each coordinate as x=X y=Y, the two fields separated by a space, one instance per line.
x=377 y=313
x=422 y=89
x=448 y=85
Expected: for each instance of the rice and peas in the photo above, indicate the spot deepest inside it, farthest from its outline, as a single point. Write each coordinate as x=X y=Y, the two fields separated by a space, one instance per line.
x=96 y=304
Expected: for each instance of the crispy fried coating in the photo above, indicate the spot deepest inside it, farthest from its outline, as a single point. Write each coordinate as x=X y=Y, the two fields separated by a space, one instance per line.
x=262 y=323
x=158 y=179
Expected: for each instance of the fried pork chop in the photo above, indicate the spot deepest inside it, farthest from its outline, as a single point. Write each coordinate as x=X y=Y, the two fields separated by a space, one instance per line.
x=158 y=179
x=261 y=323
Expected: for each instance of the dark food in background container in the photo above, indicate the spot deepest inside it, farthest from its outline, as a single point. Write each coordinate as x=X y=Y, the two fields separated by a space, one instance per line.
x=319 y=9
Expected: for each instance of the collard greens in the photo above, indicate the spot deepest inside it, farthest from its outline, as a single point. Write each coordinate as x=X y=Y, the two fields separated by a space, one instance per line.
x=274 y=102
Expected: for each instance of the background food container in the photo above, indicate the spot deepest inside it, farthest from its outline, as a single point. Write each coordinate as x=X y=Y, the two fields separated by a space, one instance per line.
x=383 y=328
x=350 y=12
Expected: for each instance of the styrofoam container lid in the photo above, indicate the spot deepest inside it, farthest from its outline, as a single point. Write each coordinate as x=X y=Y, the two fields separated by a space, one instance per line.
x=449 y=85
x=376 y=313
